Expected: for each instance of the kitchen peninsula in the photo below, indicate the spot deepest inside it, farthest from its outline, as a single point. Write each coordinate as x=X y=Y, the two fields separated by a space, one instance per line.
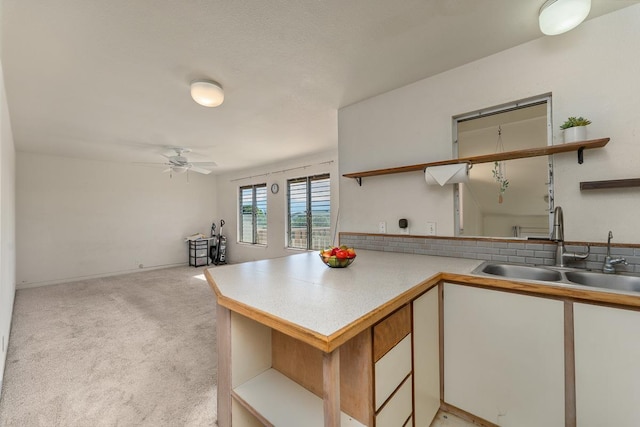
x=394 y=337
x=317 y=310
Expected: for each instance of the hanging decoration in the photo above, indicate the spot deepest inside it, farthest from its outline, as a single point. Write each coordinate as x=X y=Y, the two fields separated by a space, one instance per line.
x=500 y=168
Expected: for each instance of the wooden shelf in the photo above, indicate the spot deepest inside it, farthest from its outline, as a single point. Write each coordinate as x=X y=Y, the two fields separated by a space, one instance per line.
x=280 y=401
x=487 y=158
x=612 y=183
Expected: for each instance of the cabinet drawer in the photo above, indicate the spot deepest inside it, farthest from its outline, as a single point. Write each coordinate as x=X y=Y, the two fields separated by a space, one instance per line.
x=398 y=409
x=390 y=331
x=391 y=370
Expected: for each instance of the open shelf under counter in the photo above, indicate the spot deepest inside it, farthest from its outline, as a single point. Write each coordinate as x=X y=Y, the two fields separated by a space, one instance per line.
x=282 y=402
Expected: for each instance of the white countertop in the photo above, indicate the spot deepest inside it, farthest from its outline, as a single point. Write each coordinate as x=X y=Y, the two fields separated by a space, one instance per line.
x=302 y=290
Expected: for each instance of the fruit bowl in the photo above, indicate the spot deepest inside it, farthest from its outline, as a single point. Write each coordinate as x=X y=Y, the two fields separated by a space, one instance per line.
x=338 y=257
x=334 y=262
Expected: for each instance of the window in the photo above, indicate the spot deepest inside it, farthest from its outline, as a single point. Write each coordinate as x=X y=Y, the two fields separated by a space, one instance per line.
x=309 y=214
x=253 y=214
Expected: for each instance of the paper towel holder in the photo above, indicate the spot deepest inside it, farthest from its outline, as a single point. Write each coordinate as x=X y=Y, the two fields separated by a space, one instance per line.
x=450 y=176
x=469 y=166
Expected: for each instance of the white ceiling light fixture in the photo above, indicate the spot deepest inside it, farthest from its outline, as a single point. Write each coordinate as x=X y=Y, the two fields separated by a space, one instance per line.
x=207 y=93
x=560 y=16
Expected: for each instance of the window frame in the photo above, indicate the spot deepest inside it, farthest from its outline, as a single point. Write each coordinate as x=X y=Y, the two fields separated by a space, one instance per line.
x=308 y=180
x=254 y=214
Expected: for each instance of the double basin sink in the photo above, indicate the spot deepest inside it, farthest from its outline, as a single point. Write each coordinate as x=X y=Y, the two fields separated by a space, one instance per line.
x=618 y=282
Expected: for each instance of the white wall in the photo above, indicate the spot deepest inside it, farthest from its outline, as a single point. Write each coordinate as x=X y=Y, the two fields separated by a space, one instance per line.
x=228 y=188
x=7 y=226
x=80 y=218
x=590 y=71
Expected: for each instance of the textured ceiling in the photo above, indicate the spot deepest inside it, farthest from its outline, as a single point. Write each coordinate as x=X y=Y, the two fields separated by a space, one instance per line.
x=109 y=80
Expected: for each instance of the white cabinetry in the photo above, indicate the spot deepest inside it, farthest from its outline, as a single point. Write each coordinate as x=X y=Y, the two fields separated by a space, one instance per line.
x=426 y=356
x=504 y=356
x=607 y=353
x=393 y=368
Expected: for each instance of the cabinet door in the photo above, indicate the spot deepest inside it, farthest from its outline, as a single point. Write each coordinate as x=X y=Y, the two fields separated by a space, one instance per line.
x=504 y=356
x=607 y=353
x=391 y=353
x=426 y=357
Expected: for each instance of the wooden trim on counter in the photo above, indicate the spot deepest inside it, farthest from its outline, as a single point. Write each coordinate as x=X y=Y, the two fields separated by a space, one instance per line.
x=223 y=331
x=331 y=388
x=329 y=343
x=441 y=336
x=569 y=368
x=547 y=290
x=390 y=331
x=325 y=343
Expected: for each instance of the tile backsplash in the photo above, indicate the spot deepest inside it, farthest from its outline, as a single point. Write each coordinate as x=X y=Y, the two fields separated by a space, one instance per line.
x=534 y=252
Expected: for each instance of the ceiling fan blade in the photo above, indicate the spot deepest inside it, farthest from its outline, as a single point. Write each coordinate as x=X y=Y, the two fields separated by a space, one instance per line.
x=205 y=164
x=200 y=170
x=151 y=163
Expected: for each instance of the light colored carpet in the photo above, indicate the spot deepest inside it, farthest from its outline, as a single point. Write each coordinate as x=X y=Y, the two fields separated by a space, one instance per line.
x=130 y=350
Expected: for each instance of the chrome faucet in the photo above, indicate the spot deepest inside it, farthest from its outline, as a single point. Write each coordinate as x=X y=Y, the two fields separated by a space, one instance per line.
x=557 y=235
x=609 y=263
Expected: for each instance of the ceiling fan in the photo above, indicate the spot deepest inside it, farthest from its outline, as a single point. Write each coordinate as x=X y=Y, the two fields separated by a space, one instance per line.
x=180 y=164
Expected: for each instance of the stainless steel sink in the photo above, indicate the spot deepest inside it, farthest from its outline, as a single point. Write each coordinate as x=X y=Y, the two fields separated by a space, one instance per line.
x=617 y=282
x=609 y=281
x=522 y=272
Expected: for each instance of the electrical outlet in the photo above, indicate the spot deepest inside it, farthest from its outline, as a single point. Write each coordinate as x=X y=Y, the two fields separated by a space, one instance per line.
x=404 y=230
x=431 y=228
x=382 y=227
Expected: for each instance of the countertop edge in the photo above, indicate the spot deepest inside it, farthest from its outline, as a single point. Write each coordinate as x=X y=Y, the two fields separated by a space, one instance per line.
x=548 y=290
x=323 y=342
x=329 y=343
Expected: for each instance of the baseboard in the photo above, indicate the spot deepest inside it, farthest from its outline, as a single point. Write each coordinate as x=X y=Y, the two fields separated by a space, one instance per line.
x=94 y=276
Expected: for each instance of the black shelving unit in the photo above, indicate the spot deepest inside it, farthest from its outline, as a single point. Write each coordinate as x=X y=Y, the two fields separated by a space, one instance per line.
x=199 y=252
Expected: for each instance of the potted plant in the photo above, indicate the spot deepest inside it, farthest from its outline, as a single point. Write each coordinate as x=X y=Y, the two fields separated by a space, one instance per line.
x=575 y=129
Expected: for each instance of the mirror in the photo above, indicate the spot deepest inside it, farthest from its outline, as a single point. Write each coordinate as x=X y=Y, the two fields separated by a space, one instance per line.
x=522 y=209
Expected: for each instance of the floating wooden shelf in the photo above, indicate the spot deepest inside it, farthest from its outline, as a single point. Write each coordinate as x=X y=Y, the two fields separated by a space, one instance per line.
x=612 y=183
x=579 y=146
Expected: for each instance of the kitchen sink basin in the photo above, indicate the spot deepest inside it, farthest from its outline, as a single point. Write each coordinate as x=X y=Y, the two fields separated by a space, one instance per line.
x=617 y=282
x=523 y=272
x=610 y=281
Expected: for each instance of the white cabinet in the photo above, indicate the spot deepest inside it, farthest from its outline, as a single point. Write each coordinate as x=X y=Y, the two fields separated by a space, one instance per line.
x=504 y=356
x=607 y=354
x=393 y=368
x=397 y=410
x=426 y=356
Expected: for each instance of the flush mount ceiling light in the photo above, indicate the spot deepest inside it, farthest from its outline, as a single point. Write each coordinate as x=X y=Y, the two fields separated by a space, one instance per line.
x=207 y=93
x=560 y=16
